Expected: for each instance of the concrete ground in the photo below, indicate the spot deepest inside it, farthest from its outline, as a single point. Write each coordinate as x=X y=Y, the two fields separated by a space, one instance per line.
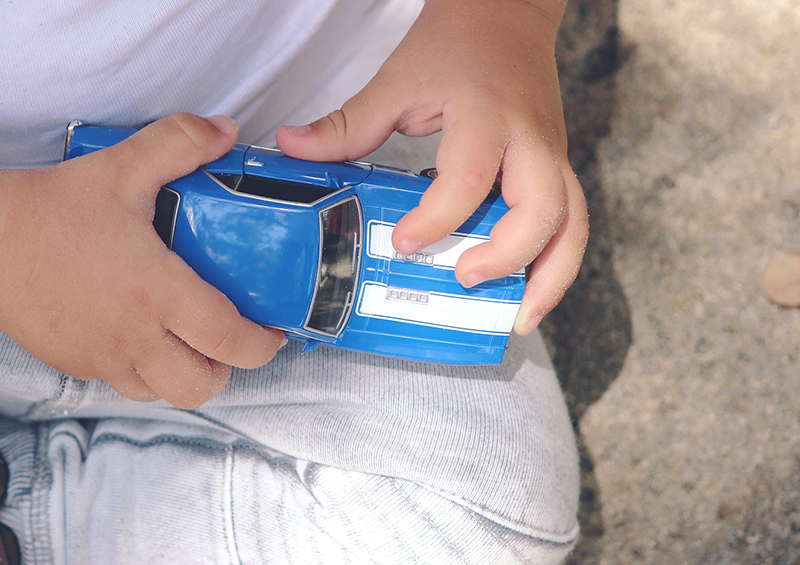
x=682 y=378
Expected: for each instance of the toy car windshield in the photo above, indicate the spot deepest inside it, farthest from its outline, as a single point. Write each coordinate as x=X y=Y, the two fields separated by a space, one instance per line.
x=337 y=276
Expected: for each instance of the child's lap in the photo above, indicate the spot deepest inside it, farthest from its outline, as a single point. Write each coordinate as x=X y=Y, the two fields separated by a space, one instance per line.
x=330 y=448
x=329 y=452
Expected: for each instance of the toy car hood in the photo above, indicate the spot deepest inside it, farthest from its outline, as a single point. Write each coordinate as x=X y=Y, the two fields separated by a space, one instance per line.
x=241 y=240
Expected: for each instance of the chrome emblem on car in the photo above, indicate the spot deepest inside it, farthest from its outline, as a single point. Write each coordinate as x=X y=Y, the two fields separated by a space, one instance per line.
x=406 y=295
x=421 y=258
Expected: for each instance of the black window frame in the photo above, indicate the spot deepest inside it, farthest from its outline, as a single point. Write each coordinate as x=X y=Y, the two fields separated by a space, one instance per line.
x=278 y=190
x=319 y=311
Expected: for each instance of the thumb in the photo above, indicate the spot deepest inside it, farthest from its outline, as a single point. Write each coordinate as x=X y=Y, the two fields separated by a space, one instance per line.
x=362 y=124
x=170 y=148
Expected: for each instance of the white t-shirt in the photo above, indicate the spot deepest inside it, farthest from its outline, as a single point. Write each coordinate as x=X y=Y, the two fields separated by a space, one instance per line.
x=128 y=62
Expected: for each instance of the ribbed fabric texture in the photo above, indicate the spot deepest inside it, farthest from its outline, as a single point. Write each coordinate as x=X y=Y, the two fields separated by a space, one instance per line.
x=327 y=457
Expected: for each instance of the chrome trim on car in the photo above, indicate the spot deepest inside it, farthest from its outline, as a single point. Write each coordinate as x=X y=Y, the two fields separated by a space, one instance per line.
x=407 y=295
x=316 y=202
x=418 y=257
x=70 y=130
x=174 y=215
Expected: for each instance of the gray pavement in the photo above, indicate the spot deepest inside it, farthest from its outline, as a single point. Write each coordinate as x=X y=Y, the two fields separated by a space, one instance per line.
x=682 y=378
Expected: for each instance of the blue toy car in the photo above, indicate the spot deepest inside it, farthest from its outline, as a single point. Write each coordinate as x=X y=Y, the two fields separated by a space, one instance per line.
x=306 y=247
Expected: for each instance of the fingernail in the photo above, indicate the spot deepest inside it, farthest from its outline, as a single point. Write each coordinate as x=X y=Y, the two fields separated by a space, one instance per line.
x=474 y=279
x=224 y=124
x=409 y=246
x=283 y=344
x=299 y=130
x=534 y=322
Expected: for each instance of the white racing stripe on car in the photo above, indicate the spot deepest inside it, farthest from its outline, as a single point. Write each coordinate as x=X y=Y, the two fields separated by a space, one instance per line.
x=443 y=254
x=476 y=315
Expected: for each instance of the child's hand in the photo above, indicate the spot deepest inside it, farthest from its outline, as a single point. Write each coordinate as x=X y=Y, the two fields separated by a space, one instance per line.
x=89 y=288
x=484 y=72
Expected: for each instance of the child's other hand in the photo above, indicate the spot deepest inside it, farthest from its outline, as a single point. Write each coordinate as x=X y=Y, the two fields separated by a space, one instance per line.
x=484 y=72
x=89 y=288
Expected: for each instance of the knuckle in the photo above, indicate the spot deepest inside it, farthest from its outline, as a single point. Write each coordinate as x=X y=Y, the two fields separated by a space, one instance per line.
x=134 y=387
x=148 y=294
x=228 y=346
x=117 y=345
x=142 y=300
x=337 y=120
x=123 y=344
x=474 y=177
x=454 y=196
x=548 y=210
x=553 y=218
x=488 y=97
x=189 y=128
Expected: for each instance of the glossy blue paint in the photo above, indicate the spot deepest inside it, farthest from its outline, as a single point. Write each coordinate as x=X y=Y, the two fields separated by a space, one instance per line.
x=249 y=251
x=264 y=253
x=230 y=163
x=274 y=164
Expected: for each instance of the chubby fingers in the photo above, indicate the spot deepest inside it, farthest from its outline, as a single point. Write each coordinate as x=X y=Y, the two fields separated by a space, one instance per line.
x=180 y=374
x=556 y=267
x=467 y=163
x=546 y=225
x=363 y=123
x=200 y=336
x=533 y=189
x=206 y=320
x=130 y=384
x=183 y=341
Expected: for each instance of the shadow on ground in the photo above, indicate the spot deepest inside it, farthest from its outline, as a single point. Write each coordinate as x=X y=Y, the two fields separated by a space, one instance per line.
x=589 y=333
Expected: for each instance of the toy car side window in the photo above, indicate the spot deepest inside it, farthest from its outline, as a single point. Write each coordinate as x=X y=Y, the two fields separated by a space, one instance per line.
x=228 y=179
x=338 y=268
x=282 y=190
x=167 y=203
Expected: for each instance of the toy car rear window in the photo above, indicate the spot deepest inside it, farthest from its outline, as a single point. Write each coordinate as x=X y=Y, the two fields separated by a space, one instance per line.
x=166 y=211
x=274 y=189
x=341 y=233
